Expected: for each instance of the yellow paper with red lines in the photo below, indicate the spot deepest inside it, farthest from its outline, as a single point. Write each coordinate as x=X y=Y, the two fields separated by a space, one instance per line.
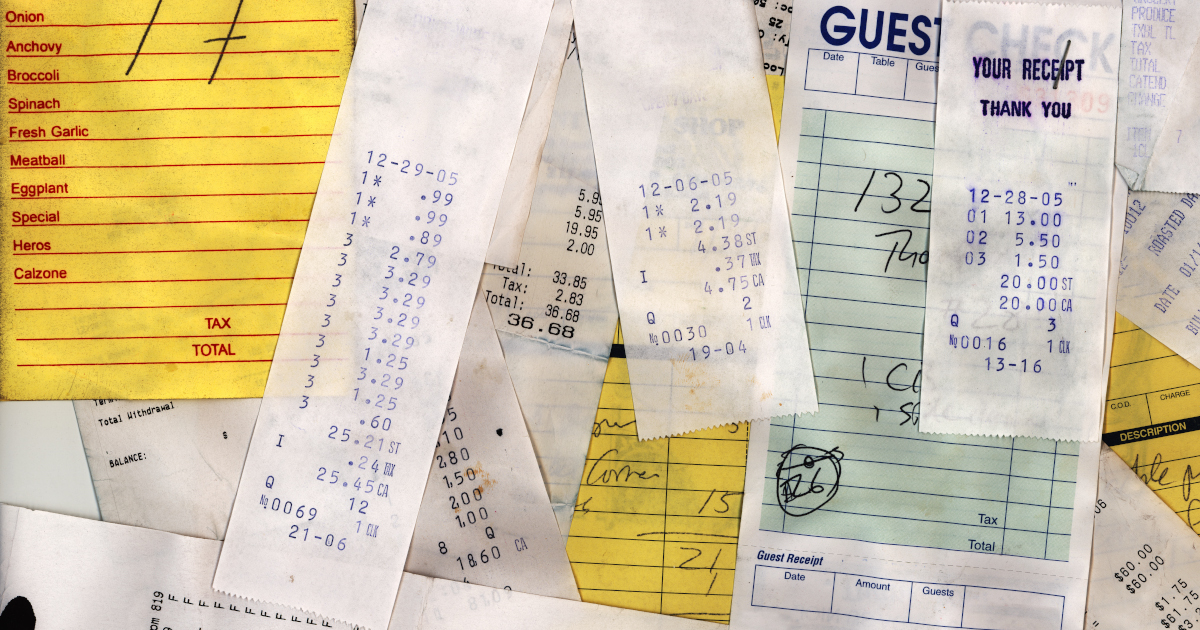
x=655 y=527
x=1153 y=416
x=159 y=164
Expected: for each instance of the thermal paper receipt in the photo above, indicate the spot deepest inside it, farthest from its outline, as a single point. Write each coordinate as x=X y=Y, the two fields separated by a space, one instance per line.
x=67 y=572
x=1020 y=232
x=696 y=219
x=485 y=517
x=1145 y=565
x=370 y=340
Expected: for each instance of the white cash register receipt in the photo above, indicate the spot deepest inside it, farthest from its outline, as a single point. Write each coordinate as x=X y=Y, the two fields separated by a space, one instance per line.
x=1019 y=245
x=695 y=213
x=379 y=307
x=853 y=518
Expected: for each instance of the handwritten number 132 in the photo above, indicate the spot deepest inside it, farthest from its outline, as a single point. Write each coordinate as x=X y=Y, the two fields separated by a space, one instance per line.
x=899 y=202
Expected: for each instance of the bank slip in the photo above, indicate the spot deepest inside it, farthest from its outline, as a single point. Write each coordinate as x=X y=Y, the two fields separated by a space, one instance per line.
x=1021 y=224
x=174 y=466
x=855 y=518
x=159 y=164
x=656 y=524
x=371 y=337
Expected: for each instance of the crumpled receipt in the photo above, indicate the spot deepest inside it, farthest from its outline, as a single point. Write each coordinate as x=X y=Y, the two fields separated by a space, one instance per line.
x=1156 y=99
x=1162 y=253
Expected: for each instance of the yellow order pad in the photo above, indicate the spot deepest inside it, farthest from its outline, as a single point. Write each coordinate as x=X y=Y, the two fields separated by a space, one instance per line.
x=159 y=165
x=1153 y=415
x=656 y=523
x=775 y=89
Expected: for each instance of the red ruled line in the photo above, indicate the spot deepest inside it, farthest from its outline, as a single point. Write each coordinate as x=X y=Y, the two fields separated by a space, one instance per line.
x=293 y=135
x=162 y=222
x=160 y=337
x=167 y=109
x=142 y=363
x=165 y=251
x=108 y=308
x=160 y=24
x=198 y=52
x=26 y=168
x=332 y=76
x=156 y=281
x=161 y=196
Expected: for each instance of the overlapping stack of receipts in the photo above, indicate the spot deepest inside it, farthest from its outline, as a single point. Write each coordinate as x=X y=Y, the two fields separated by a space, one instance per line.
x=571 y=313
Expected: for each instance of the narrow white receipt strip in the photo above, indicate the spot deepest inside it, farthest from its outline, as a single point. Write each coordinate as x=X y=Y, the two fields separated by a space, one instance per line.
x=696 y=217
x=78 y=573
x=485 y=517
x=433 y=604
x=555 y=310
x=1020 y=228
x=1157 y=290
x=171 y=465
x=1145 y=564
x=379 y=307
x=505 y=245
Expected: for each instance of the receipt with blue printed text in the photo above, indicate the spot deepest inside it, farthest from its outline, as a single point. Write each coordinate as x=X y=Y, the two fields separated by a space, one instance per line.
x=1157 y=42
x=1020 y=228
x=383 y=292
x=485 y=517
x=69 y=572
x=432 y=604
x=555 y=310
x=695 y=213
